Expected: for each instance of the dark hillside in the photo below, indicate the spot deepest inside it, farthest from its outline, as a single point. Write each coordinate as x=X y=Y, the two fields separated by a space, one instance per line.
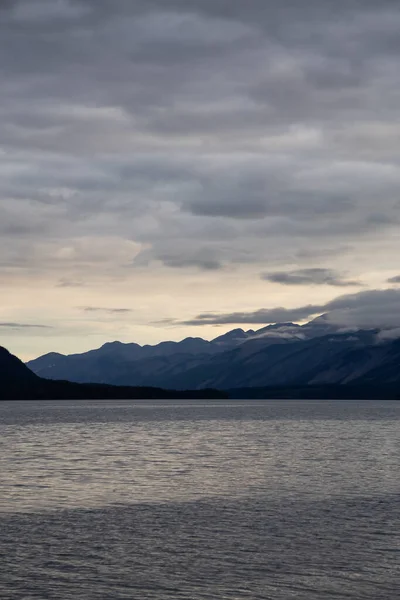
x=17 y=382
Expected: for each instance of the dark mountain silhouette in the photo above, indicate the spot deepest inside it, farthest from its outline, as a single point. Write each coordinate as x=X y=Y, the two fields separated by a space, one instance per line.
x=114 y=361
x=88 y=365
x=15 y=377
x=284 y=354
x=17 y=382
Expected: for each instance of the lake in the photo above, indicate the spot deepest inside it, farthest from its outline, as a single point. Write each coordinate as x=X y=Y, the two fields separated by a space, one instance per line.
x=199 y=500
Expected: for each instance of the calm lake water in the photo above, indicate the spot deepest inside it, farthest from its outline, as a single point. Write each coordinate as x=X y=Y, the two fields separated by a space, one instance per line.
x=199 y=500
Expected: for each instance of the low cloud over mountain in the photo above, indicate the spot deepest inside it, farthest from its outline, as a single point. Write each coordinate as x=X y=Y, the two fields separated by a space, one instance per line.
x=368 y=309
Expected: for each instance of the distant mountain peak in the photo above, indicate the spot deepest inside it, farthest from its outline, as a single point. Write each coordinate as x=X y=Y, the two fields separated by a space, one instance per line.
x=117 y=344
x=321 y=318
x=276 y=326
x=235 y=335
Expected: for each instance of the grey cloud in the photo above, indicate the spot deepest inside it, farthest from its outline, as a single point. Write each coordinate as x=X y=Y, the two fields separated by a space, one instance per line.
x=11 y=325
x=395 y=279
x=257 y=191
x=314 y=276
x=388 y=334
x=112 y=311
x=6 y=5
x=39 y=11
x=372 y=308
x=247 y=129
x=237 y=208
x=184 y=254
x=306 y=253
x=113 y=26
x=369 y=309
x=181 y=262
x=261 y=316
x=66 y=283
x=382 y=219
x=264 y=12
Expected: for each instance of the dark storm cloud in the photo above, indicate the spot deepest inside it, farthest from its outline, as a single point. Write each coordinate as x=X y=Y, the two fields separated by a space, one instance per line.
x=369 y=309
x=315 y=276
x=211 y=132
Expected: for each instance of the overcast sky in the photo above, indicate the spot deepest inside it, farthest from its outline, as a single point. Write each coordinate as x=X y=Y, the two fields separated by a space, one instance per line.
x=179 y=167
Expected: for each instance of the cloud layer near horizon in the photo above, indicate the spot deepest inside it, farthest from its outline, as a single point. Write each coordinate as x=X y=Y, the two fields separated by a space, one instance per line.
x=315 y=276
x=160 y=155
x=370 y=309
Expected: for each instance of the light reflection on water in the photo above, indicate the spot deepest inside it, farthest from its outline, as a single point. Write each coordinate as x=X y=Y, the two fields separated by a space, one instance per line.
x=166 y=452
x=290 y=496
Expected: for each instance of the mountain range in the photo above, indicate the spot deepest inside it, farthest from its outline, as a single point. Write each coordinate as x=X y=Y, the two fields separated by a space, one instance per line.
x=318 y=353
x=17 y=382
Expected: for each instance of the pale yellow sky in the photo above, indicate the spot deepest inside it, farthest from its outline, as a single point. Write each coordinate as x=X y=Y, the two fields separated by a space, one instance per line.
x=150 y=297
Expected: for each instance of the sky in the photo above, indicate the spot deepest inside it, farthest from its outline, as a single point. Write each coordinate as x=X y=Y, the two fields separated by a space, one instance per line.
x=174 y=168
